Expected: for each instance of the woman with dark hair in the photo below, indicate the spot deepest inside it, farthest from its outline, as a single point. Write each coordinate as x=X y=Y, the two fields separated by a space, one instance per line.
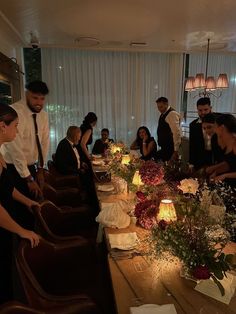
x=8 y=130
x=145 y=143
x=226 y=133
x=86 y=128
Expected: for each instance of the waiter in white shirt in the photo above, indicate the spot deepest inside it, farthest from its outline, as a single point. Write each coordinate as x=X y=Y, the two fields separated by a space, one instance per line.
x=168 y=131
x=27 y=153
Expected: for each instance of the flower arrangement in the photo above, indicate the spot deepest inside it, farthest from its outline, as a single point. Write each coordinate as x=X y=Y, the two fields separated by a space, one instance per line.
x=195 y=238
x=151 y=173
x=124 y=171
x=118 y=148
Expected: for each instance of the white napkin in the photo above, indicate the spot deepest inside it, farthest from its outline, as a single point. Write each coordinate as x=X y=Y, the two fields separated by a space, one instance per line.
x=123 y=241
x=209 y=288
x=113 y=216
x=105 y=188
x=154 y=309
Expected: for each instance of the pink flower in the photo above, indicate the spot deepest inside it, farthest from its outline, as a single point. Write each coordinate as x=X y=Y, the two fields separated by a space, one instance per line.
x=141 y=196
x=141 y=206
x=201 y=272
x=147 y=218
x=151 y=173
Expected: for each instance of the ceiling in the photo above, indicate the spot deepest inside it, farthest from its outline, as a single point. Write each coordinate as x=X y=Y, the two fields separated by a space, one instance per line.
x=170 y=25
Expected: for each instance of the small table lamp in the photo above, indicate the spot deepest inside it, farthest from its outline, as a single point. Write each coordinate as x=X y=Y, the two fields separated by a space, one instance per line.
x=125 y=159
x=137 y=179
x=115 y=149
x=166 y=211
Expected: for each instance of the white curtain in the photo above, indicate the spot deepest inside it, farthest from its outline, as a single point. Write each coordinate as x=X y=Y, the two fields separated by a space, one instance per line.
x=120 y=87
x=218 y=63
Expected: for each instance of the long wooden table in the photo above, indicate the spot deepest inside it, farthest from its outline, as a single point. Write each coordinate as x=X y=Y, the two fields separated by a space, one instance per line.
x=137 y=281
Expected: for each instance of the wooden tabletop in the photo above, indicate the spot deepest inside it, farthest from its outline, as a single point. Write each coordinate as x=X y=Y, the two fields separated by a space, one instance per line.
x=138 y=281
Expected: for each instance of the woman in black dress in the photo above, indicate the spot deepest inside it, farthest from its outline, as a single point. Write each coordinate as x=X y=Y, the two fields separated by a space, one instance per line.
x=86 y=128
x=145 y=143
x=8 y=130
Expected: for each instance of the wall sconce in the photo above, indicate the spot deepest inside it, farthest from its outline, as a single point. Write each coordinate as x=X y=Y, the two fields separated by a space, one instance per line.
x=125 y=159
x=166 y=211
x=137 y=179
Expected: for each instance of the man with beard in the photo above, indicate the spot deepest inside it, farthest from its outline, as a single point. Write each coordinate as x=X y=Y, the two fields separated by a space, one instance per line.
x=25 y=156
x=197 y=137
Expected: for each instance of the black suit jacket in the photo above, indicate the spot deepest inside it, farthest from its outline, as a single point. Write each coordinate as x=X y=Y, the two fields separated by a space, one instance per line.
x=196 y=145
x=65 y=158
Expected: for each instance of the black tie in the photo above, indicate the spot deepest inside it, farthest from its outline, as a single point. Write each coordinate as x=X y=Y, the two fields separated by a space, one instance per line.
x=40 y=159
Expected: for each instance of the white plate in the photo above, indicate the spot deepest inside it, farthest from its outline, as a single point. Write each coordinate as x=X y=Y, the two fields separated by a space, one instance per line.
x=97 y=156
x=98 y=162
x=105 y=188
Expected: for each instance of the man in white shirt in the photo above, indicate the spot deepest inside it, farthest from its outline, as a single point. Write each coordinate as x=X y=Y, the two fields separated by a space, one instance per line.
x=25 y=155
x=168 y=131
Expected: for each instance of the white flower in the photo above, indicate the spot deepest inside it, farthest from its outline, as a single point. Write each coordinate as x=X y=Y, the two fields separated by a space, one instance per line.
x=189 y=186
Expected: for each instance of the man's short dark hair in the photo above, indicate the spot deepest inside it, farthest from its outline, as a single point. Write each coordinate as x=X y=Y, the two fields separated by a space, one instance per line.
x=162 y=99
x=105 y=130
x=37 y=87
x=203 y=101
x=210 y=118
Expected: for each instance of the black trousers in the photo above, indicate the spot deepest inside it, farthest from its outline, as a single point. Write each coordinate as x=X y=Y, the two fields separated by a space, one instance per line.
x=20 y=213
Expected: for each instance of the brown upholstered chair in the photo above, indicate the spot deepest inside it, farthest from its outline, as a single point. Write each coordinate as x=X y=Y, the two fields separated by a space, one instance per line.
x=67 y=196
x=58 y=180
x=18 y=308
x=56 y=224
x=56 y=276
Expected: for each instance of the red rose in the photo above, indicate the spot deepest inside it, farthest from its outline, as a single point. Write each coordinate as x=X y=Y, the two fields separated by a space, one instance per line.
x=201 y=272
x=162 y=224
x=141 y=196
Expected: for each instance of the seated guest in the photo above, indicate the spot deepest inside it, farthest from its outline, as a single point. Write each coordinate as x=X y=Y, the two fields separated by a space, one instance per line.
x=145 y=143
x=67 y=158
x=213 y=153
x=226 y=170
x=101 y=145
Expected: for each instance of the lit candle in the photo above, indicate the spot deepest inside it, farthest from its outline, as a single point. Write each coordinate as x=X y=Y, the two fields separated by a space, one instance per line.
x=166 y=211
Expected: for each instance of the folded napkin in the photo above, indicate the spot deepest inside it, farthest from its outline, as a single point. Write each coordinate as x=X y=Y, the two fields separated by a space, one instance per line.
x=123 y=241
x=113 y=216
x=209 y=288
x=154 y=309
x=105 y=187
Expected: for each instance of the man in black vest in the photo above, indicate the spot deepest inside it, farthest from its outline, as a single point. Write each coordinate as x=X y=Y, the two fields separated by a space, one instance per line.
x=168 y=131
x=197 y=138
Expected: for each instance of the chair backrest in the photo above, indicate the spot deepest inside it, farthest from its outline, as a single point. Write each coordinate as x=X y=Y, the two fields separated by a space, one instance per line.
x=38 y=272
x=33 y=265
x=14 y=307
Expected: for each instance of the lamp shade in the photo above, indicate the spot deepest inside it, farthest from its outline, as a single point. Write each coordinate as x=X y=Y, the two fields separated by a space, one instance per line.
x=210 y=83
x=137 y=179
x=125 y=159
x=166 y=211
x=222 y=81
x=189 y=84
x=199 y=81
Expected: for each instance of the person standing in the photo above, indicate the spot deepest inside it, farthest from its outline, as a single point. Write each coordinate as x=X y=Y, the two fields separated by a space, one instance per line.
x=168 y=131
x=198 y=139
x=8 y=193
x=86 y=128
x=25 y=155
